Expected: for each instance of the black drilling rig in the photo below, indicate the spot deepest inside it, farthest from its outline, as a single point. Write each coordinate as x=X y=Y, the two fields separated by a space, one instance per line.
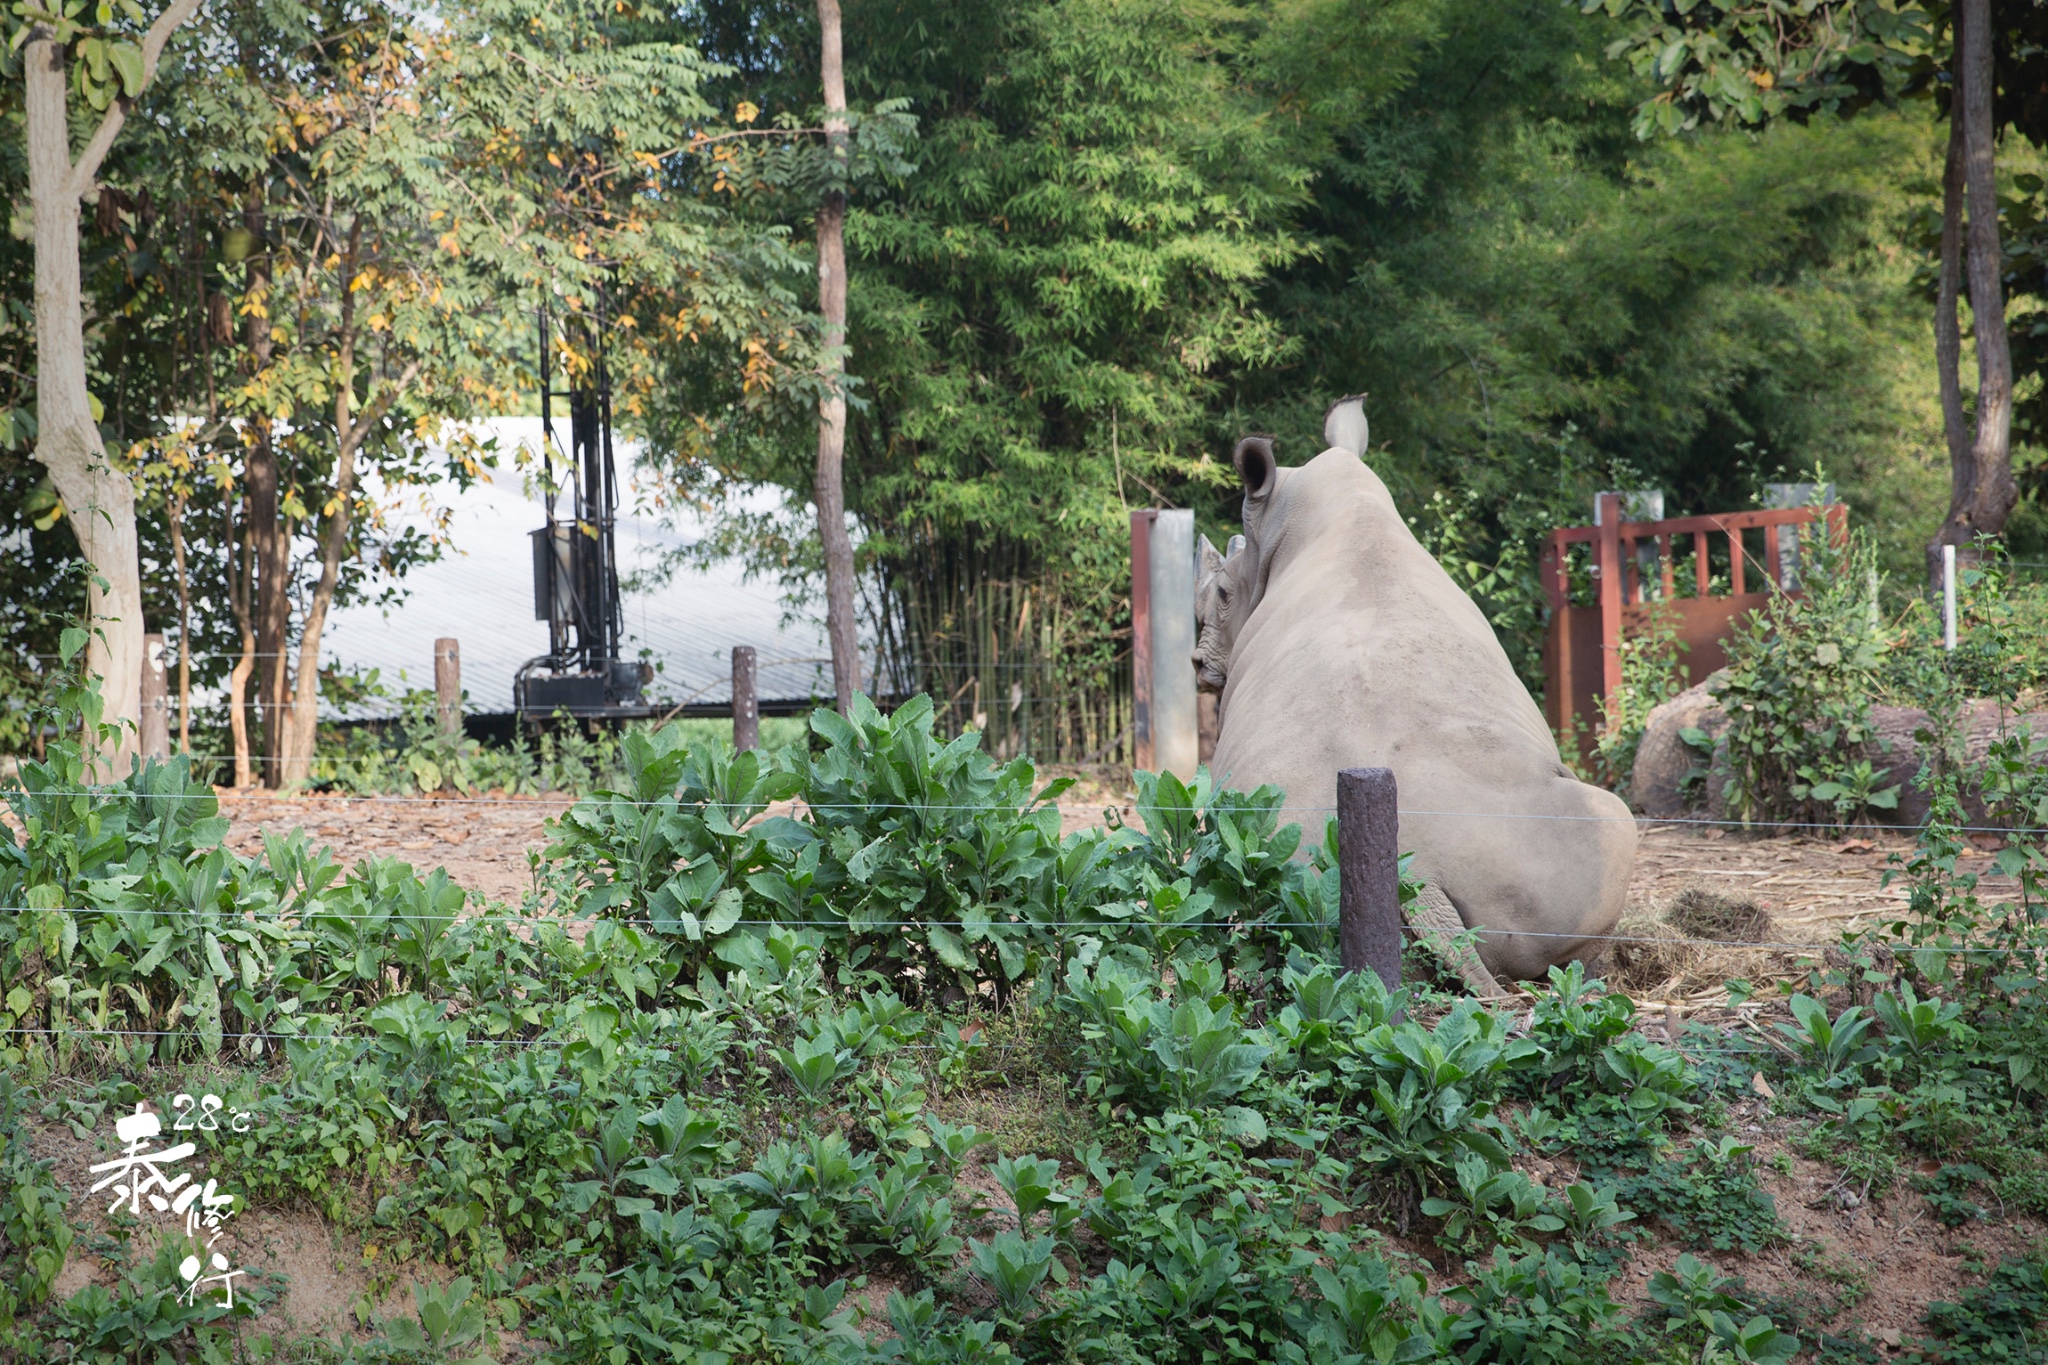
x=575 y=561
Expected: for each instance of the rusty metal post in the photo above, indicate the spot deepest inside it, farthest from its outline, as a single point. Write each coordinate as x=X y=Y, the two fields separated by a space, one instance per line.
x=156 y=701
x=1141 y=638
x=1369 y=863
x=746 y=704
x=1608 y=566
x=448 y=684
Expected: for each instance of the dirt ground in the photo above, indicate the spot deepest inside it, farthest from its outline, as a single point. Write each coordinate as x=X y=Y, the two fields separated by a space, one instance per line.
x=1812 y=887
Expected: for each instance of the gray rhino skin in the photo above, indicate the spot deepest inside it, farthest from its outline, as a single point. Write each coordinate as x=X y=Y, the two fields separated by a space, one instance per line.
x=1338 y=642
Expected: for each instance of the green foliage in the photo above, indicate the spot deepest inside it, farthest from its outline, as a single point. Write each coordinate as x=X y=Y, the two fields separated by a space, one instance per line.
x=1998 y=1321
x=1013 y=1265
x=1752 y=65
x=413 y=755
x=1948 y=1193
x=1503 y=1207
x=1710 y=1194
x=1801 y=678
x=33 y=1234
x=1652 y=672
x=1833 y=1047
x=1539 y=1308
x=623 y=1161
x=1433 y=1090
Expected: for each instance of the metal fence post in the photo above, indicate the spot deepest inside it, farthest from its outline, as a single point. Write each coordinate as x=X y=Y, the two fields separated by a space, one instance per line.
x=155 y=738
x=448 y=684
x=1369 y=861
x=1948 y=598
x=746 y=704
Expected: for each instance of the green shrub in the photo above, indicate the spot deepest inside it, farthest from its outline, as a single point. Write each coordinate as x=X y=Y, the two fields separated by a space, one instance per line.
x=1801 y=676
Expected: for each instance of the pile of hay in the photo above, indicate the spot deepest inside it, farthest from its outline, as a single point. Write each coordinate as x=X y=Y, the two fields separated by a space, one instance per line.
x=1666 y=969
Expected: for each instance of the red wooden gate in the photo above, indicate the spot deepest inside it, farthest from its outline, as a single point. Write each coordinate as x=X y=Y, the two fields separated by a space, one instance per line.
x=1582 y=651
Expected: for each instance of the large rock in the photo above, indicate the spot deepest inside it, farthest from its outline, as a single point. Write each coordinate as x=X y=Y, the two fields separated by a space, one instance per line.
x=1663 y=760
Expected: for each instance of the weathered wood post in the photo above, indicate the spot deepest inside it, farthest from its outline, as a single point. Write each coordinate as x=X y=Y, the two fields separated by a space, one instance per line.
x=448 y=684
x=746 y=704
x=1607 y=564
x=156 y=701
x=1369 y=862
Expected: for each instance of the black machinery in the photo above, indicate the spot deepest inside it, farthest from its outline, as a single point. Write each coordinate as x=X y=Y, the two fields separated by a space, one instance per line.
x=575 y=563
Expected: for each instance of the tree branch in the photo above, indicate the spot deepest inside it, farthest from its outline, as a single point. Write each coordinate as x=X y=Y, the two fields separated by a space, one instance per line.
x=359 y=429
x=153 y=42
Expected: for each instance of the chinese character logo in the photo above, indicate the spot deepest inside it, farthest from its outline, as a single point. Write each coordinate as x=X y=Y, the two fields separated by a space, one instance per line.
x=140 y=1176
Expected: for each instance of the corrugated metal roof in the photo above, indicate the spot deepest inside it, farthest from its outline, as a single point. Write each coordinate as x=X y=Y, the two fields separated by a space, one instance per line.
x=481 y=592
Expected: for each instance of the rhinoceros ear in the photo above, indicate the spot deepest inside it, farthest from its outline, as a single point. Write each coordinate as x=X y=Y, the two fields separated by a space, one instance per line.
x=1207 y=560
x=1344 y=425
x=1256 y=466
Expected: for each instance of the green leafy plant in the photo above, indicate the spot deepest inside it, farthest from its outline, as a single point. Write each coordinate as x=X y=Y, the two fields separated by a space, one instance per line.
x=1835 y=1047
x=447 y=1318
x=1799 y=685
x=1013 y=1266
x=1492 y=1207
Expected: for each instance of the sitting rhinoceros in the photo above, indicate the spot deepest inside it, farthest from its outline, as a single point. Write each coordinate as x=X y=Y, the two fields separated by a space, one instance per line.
x=1338 y=642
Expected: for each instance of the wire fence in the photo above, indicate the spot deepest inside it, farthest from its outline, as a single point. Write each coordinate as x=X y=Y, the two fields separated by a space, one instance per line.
x=311 y=916
x=1126 y=802
x=857 y=925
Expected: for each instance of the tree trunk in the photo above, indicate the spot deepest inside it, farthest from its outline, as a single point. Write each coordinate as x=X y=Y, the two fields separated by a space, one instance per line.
x=828 y=487
x=302 y=718
x=175 y=510
x=1948 y=332
x=239 y=593
x=269 y=541
x=99 y=500
x=1992 y=490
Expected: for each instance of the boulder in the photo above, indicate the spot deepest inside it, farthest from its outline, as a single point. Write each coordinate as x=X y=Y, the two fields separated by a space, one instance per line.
x=1897 y=754
x=1663 y=760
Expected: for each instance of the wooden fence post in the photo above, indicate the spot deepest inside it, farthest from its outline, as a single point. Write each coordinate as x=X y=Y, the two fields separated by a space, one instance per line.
x=1369 y=863
x=746 y=704
x=448 y=684
x=155 y=738
x=1609 y=566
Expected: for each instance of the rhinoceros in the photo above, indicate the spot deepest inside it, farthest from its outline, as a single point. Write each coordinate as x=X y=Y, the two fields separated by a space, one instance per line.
x=1339 y=642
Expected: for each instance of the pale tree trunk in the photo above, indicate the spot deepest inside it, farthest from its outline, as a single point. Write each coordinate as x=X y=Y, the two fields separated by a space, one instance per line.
x=829 y=486
x=176 y=512
x=99 y=500
x=302 y=716
x=1982 y=508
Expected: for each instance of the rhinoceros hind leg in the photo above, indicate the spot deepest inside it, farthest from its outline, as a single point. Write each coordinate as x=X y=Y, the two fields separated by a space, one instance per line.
x=1433 y=919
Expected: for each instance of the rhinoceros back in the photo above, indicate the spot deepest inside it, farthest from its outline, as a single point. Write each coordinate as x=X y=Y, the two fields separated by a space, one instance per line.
x=1361 y=652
